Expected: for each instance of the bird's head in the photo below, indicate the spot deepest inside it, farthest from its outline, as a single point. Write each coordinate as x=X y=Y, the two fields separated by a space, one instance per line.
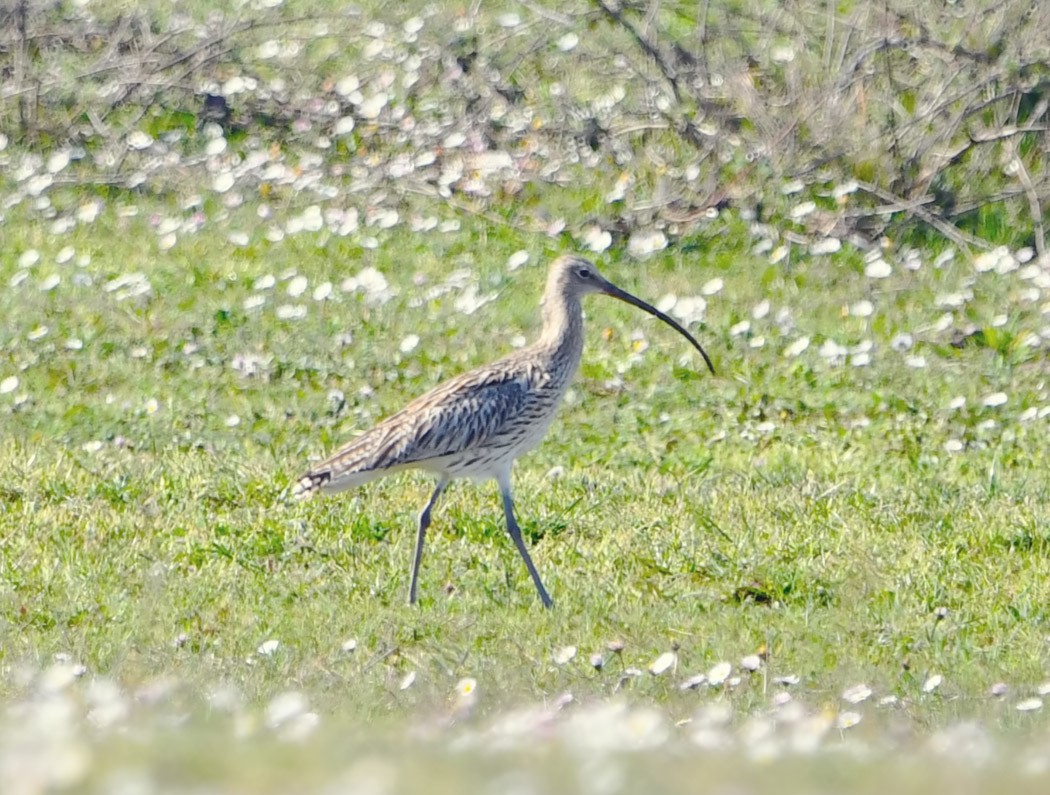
x=572 y=276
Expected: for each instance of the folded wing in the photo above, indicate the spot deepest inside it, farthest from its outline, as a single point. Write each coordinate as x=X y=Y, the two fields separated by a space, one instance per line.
x=463 y=414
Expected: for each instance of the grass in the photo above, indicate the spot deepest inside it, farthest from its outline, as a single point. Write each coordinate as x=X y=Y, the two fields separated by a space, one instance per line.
x=808 y=511
x=866 y=516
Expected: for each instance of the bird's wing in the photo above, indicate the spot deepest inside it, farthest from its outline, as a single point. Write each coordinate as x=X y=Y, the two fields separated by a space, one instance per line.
x=462 y=413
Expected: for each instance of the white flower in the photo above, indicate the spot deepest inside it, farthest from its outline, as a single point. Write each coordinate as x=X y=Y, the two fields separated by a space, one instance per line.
x=751 y=662
x=879 y=269
x=932 y=683
x=646 y=242
x=802 y=210
x=995 y=399
x=223 y=181
x=517 y=259
x=719 y=673
x=373 y=106
x=902 y=342
x=58 y=161
x=595 y=238
x=796 y=348
x=712 y=287
x=268 y=647
x=564 y=655
x=663 y=663
x=827 y=245
x=343 y=126
x=568 y=42
x=139 y=140
x=862 y=309
x=297 y=286
x=284 y=707
x=856 y=694
x=847 y=720
x=690 y=309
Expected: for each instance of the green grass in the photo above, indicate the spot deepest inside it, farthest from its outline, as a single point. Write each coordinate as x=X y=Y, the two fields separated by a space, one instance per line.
x=853 y=524
x=808 y=511
x=678 y=518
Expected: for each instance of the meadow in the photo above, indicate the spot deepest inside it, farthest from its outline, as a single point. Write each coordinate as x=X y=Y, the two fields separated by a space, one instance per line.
x=825 y=567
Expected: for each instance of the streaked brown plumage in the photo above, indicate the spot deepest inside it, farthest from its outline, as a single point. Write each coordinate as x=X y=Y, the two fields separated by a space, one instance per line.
x=476 y=424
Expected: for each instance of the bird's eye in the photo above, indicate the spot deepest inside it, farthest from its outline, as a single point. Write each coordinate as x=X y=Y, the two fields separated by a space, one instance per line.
x=584 y=273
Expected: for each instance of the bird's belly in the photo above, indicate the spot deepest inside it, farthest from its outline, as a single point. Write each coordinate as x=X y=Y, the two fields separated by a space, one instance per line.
x=497 y=453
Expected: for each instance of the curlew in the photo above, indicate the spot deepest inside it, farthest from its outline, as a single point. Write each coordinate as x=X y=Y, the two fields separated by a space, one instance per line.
x=476 y=424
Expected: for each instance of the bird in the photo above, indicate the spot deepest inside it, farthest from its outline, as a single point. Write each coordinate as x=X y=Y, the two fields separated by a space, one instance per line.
x=478 y=423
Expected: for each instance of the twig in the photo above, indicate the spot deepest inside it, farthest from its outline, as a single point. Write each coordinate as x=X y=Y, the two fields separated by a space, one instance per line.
x=963 y=240
x=647 y=46
x=22 y=65
x=903 y=206
x=220 y=39
x=135 y=83
x=421 y=189
x=703 y=36
x=1034 y=207
x=546 y=13
x=965 y=208
x=637 y=127
x=1006 y=132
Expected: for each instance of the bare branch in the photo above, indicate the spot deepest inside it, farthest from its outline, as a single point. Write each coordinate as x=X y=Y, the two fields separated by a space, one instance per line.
x=963 y=240
x=650 y=48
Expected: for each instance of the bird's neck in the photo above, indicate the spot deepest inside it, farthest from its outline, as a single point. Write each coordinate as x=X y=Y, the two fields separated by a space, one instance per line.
x=562 y=334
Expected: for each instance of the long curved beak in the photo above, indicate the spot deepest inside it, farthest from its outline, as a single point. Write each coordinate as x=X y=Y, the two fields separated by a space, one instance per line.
x=626 y=297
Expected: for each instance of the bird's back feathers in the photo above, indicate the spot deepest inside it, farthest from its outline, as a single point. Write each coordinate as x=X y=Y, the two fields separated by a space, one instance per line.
x=471 y=411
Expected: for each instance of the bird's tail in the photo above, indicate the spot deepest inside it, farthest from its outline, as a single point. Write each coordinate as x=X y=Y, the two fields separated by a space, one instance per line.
x=365 y=458
x=310 y=483
x=329 y=478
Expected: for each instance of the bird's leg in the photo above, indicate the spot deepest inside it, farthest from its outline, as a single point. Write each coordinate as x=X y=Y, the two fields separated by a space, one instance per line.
x=515 y=535
x=424 y=523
